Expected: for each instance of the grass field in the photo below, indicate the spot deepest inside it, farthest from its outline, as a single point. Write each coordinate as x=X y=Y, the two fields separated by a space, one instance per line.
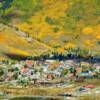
x=44 y=91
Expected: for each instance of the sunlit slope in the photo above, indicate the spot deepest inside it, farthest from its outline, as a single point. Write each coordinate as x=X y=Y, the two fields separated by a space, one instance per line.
x=11 y=43
x=59 y=26
x=66 y=24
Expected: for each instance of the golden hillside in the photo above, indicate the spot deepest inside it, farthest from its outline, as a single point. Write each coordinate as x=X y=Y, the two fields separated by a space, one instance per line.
x=65 y=24
x=53 y=25
x=11 y=43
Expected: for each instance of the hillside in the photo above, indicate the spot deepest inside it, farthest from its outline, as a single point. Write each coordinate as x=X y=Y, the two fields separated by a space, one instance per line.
x=59 y=26
x=14 y=44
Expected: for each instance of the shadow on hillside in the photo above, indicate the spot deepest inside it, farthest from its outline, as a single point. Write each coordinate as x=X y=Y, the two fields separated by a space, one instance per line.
x=57 y=57
x=16 y=56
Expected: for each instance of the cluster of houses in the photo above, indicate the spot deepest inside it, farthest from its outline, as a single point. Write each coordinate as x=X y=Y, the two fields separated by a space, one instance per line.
x=70 y=68
x=33 y=72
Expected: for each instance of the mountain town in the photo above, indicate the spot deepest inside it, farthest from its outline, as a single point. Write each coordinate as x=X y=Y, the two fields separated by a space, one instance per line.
x=49 y=49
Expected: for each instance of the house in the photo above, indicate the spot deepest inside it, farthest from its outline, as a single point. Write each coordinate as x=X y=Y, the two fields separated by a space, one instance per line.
x=50 y=76
x=29 y=63
x=86 y=74
x=50 y=61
